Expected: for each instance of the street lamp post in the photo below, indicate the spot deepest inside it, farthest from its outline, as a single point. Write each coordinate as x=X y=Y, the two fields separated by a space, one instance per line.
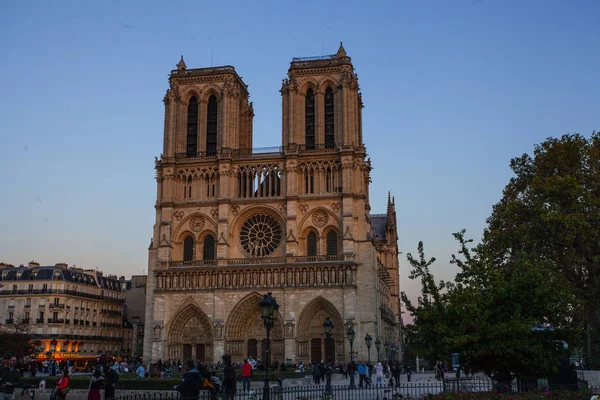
x=328 y=326
x=378 y=347
x=351 y=334
x=368 y=340
x=268 y=311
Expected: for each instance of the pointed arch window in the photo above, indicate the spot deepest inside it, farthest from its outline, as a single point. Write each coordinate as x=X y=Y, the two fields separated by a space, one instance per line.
x=188 y=249
x=211 y=126
x=311 y=244
x=309 y=138
x=192 y=128
x=332 y=243
x=209 y=247
x=329 y=119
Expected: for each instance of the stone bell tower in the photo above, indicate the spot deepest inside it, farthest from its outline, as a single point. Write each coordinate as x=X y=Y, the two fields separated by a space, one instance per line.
x=322 y=106
x=206 y=112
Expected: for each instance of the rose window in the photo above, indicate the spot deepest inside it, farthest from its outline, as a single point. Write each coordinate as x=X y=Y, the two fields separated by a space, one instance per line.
x=260 y=235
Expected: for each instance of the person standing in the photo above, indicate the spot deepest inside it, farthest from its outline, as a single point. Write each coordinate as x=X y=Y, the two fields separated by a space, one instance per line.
x=190 y=386
x=229 y=383
x=141 y=371
x=9 y=378
x=96 y=383
x=379 y=373
x=408 y=373
x=112 y=377
x=33 y=367
x=316 y=372
x=246 y=374
x=62 y=386
x=362 y=374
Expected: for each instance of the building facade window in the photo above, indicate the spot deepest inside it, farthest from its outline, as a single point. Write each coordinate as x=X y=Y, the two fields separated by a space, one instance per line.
x=332 y=243
x=209 y=247
x=188 y=249
x=329 y=119
x=211 y=126
x=311 y=244
x=192 y=128
x=309 y=121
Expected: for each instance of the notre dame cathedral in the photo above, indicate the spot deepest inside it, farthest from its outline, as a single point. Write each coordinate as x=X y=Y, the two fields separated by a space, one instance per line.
x=234 y=222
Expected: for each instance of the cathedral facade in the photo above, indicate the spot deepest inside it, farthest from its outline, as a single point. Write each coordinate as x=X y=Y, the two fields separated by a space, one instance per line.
x=234 y=222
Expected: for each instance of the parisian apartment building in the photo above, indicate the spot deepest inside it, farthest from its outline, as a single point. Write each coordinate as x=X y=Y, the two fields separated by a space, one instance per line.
x=71 y=313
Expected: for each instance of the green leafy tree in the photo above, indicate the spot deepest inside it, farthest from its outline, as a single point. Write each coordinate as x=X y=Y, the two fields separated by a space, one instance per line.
x=15 y=339
x=550 y=215
x=504 y=321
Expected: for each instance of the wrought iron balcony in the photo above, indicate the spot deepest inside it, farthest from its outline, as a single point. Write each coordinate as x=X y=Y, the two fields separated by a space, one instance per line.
x=10 y=321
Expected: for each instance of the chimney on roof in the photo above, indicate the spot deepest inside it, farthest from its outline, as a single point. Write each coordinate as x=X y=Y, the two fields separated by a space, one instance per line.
x=62 y=265
x=33 y=264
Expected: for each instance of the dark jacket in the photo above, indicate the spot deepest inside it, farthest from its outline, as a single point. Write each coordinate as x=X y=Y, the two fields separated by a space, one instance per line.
x=111 y=377
x=190 y=385
x=10 y=375
x=229 y=378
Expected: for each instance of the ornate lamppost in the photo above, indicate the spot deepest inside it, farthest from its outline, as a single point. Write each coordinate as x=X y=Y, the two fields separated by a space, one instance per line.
x=328 y=326
x=378 y=346
x=268 y=311
x=368 y=340
x=351 y=334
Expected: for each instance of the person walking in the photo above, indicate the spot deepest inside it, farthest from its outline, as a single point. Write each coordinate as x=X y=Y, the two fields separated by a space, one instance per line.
x=112 y=377
x=9 y=377
x=189 y=388
x=229 y=383
x=246 y=374
x=62 y=386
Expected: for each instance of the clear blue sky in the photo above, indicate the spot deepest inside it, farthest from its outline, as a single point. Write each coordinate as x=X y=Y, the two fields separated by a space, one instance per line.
x=453 y=89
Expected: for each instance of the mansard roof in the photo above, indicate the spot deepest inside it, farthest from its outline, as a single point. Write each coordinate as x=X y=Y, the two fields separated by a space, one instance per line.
x=56 y=273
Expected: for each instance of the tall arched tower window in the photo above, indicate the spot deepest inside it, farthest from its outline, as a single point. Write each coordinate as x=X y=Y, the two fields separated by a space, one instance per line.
x=209 y=247
x=309 y=138
x=311 y=244
x=188 y=249
x=192 y=128
x=332 y=243
x=211 y=126
x=329 y=119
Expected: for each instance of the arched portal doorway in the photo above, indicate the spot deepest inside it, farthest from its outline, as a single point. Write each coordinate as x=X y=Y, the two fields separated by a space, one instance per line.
x=190 y=335
x=312 y=345
x=245 y=333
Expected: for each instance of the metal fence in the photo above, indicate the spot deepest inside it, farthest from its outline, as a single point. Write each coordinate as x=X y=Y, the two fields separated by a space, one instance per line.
x=320 y=392
x=415 y=390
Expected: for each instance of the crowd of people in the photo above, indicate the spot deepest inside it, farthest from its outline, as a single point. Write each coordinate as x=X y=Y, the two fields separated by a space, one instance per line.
x=383 y=373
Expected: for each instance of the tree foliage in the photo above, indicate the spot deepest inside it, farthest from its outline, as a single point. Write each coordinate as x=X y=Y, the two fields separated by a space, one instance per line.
x=504 y=321
x=550 y=214
x=15 y=340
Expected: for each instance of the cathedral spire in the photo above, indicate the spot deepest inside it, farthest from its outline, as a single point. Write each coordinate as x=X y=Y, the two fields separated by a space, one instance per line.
x=341 y=51
x=181 y=65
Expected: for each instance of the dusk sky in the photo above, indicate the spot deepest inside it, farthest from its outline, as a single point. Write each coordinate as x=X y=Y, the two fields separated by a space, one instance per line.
x=453 y=90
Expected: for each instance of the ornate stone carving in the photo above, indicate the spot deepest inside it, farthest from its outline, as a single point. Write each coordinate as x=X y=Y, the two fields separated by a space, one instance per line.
x=157 y=333
x=215 y=213
x=178 y=215
x=260 y=235
x=235 y=210
x=282 y=207
x=197 y=224
x=303 y=208
x=218 y=330
x=320 y=218
x=289 y=329
x=335 y=207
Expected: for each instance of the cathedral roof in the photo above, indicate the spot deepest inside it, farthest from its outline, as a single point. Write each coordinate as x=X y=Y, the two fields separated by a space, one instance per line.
x=378 y=224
